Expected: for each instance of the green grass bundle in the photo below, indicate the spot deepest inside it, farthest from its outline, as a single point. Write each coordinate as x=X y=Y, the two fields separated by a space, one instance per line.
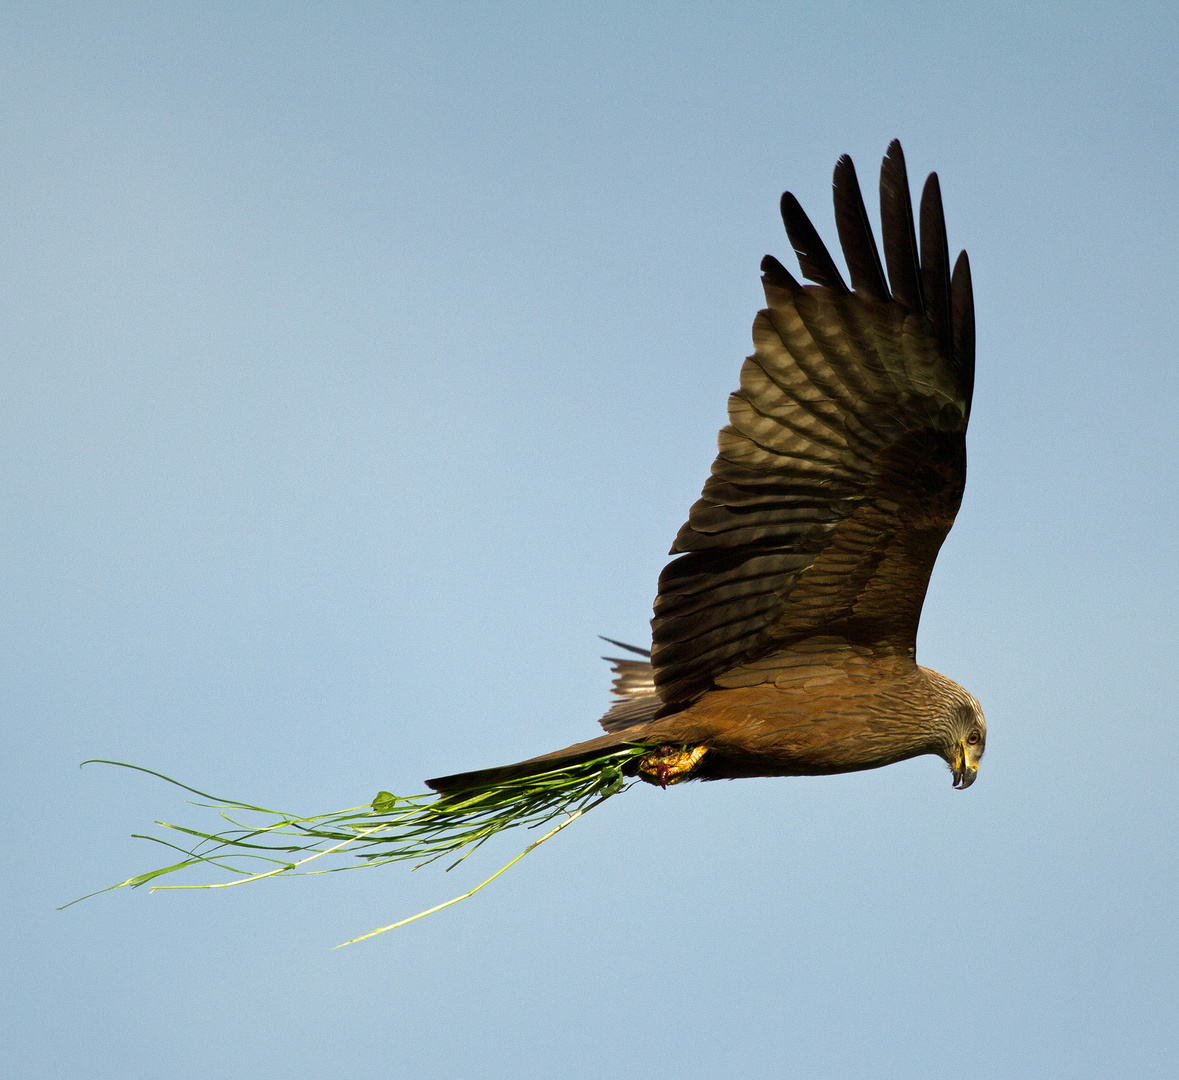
x=262 y=843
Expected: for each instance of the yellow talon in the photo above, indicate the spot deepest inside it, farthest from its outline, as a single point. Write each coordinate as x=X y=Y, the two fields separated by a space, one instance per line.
x=669 y=765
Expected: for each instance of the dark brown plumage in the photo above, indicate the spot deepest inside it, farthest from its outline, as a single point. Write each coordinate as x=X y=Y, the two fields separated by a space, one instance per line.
x=785 y=627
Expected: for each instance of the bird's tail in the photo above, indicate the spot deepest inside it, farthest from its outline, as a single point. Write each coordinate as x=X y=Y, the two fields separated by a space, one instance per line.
x=636 y=703
x=605 y=752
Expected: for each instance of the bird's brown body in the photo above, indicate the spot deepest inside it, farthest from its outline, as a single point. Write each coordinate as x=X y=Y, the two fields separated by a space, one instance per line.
x=817 y=715
x=813 y=719
x=785 y=629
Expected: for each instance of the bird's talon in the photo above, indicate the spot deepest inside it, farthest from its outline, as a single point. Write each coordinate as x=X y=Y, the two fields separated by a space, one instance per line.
x=669 y=765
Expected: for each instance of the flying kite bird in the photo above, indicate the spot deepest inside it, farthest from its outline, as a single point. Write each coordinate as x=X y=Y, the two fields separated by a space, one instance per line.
x=785 y=627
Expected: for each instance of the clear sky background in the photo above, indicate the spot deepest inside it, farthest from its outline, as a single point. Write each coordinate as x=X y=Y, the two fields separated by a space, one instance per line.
x=358 y=364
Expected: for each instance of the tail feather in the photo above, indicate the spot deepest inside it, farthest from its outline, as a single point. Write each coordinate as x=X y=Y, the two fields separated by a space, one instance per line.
x=638 y=702
x=604 y=746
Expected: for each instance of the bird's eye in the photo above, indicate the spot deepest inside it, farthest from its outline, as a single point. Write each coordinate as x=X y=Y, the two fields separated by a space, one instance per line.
x=972 y=738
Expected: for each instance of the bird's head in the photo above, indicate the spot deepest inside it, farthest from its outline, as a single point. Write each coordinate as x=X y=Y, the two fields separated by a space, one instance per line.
x=966 y=742
x=959 y=728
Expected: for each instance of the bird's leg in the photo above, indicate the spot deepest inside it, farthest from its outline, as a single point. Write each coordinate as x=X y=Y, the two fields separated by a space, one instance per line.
x=670 y=764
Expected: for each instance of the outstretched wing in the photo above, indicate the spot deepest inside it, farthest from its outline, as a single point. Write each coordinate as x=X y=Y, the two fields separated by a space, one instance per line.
x=843 y=463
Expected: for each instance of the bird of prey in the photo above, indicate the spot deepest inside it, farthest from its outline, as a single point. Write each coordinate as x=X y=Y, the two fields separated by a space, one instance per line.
x=785 y=626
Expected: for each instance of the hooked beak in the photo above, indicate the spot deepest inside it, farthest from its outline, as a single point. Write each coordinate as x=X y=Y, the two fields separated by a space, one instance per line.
x=965 y=771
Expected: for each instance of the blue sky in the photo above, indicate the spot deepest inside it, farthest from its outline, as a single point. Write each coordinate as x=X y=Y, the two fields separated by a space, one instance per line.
x=358 y=365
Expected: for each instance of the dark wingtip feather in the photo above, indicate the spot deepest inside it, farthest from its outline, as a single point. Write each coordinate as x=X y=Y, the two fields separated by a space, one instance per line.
x=896 y=219
x=776 y=274
x=962 y=292
x=855 y=232
x=813 y=256
x=935 y=264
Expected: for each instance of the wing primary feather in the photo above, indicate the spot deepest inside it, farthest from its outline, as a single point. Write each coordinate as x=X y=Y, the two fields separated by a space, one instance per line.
x=855 y=233
x=896 y=221
x=813 y=256
x=962 y=293
x=935 y=264
x=774 y=273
